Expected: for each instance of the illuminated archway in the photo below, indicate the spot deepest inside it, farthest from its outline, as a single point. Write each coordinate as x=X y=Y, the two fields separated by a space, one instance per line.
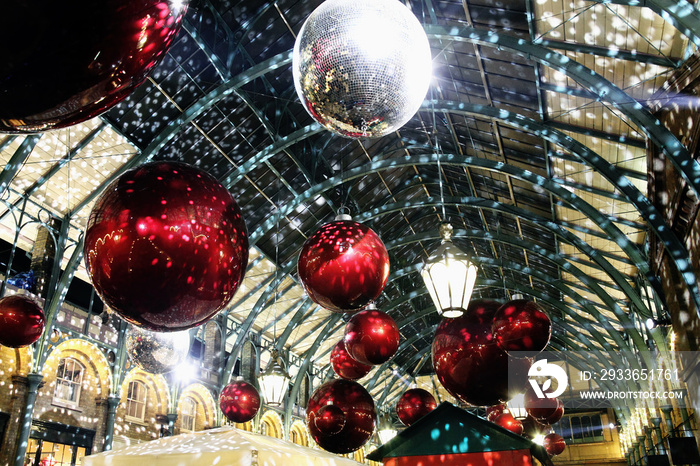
x=271 y=424
x=205 y=413
x=298 y=433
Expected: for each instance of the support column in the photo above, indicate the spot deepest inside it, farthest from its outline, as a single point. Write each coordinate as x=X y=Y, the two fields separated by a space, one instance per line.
x=33 y=383
x=172 y=417
x=112 y=403
x=659 y=436
x=635 y=453
x=668 y=417
x=642 y=449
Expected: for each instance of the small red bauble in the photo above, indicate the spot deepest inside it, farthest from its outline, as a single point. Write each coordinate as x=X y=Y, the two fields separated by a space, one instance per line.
x=83 y=57
x=343 y=266
x=330 y=420
x=239 y=401
x=557 y=415
x=532 y=428
x=372 y=337
x=356 y=405
x=492 y=412
x=165 y=246
x=554 y=444
x=469 y=363
x=540 y=408
x=346 y=366
x=414 y=404
x=508 y=422
x=520 y=325
x=22 y=321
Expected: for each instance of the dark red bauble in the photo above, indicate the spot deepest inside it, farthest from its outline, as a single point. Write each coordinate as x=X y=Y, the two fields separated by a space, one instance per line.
x=346 y=366
x=372 y=337
x=330 y=419
x=22 y=321
x=357 y=407
x=343 y=266
x=508 y=422
x=532 y=428
x=239 y=401
x=557 y=415
x=492 y=412
x=540 y=408
x=82 y=58
x=414 y=404
x=165 y=246
x=554 y=444
x=520 y=325
x=469 y=363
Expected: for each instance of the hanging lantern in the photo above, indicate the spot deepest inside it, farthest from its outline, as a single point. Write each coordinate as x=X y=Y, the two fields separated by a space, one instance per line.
x=239 y=401
x=274 y=381
x=386 y=429
x=371 y=336
x=516 y=406
x=449 y=276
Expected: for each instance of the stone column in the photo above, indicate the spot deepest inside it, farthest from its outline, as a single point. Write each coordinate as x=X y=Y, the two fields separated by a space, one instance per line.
x=659 y=436
x=172 y=417
x=635 y=453
x=668 y=417
x=33 y=383
x=112 y=403
x=642 y=449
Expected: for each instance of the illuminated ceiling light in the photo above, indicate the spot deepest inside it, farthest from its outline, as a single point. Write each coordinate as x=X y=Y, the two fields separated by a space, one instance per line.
x=386 y=429
x=274 y=381
x=449 y=276
x=516 y=406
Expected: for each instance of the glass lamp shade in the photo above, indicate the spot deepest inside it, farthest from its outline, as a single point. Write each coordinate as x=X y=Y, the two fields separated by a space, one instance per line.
x=449 y=276
x=516 y=406
x=274 y=381
x=386 y=429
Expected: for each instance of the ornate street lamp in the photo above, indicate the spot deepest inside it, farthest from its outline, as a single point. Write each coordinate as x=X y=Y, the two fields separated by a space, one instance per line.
x=274 y=381
x=449 y=276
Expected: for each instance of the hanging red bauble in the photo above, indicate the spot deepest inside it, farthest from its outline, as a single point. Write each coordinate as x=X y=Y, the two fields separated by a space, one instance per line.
x=532 y=428
x=557 y=415
x=492 y=412
x=540 y=408
x=554 y=444
x=21 y=321
x=508 y=422
x=346 y=366
x=469 y=363
x=356 y=405
x=330 y=420
x=343 y=266
x=371 y=337
x=83 y=57
x=239 y=401
x=414 y=404
x=165 y=246
x=520 y=325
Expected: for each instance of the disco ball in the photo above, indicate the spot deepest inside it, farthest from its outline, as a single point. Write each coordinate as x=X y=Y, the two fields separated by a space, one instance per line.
x=156 y=352
x=166 y=247
x=22 y=321
x=362 y=67
x=81 y=57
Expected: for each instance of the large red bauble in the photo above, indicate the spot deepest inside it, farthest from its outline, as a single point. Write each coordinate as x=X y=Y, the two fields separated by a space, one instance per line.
x=554 y=444
x=532 y=428
x=165 y=246
x=239 y=401
x=21 y=321
x=414 y=404
x=371 y=337
x=343 y=266
x=346 y=366
x=520 y=325
x=330 y=419
x=469 y=363
x=540 y=408
x=357 y=407
x=508 y=422
x=492 y=412
x=82 y=58
x=557 y=415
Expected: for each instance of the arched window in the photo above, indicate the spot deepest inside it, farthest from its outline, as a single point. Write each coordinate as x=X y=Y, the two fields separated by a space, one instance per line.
x=136 y=400
x=69 y=377
x=188 y=412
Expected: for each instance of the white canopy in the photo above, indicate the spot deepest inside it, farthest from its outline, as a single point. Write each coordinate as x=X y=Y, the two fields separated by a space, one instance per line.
x=224 y=446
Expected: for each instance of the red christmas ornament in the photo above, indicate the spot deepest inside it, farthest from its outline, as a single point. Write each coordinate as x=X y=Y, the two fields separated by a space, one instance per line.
x=166 y=247
x=330 y=420
x=508 y=422
x=371 y=337
x=356 y=405
x=532 y=428
x=540 y=408
x=557 y=415
x=239 y=401
x=83 y=57
x=492 y=412
x=343 y=266
x=469 y=363
x=554 y=444
x=21 y=321
x=414 y=404
x=346 y=366
x=521 y=325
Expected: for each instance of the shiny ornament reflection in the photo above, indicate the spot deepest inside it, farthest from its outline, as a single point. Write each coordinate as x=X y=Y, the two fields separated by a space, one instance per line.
x=371 y=337
x=469 y=363
x=362 y=67
x=22 y=321
x=520 y=325
x=532 y=428
x=414 y=404
x=356 y=405
x=343 y=266
x=556 y=415
x=239 y=401
x=345 y=366
x=156 y=352
x=541 y=408
x=330 y=419
x=508 y=422
x=492 y=412
x=165 y=246
x=81 y=59
x=554 y=444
